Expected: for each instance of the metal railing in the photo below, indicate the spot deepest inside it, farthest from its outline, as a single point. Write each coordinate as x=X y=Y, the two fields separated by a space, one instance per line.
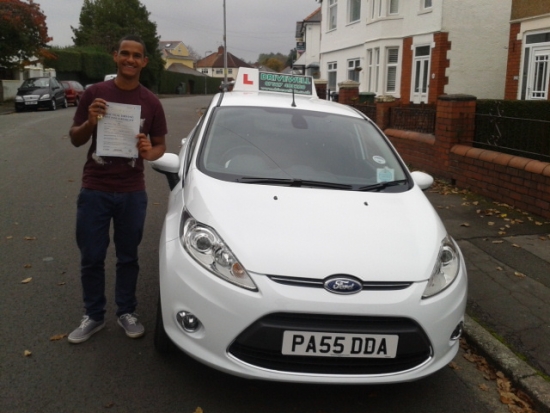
x=529 y=138
x=416 y=118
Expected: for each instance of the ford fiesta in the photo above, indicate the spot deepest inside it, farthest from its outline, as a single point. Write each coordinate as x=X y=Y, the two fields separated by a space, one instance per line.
x=298 y=247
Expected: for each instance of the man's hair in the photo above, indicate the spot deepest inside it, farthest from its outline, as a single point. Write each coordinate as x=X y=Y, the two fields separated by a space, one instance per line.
x=133 y=38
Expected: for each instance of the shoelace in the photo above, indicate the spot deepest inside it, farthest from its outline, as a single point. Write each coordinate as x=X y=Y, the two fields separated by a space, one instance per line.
x=84 y=323
x=129 y=318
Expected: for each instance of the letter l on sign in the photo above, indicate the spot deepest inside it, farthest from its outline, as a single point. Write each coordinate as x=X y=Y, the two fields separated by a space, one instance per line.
x=247 y=81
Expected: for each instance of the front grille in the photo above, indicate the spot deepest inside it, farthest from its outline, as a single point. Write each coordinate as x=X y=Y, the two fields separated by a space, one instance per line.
x=260 y=344
x=316 y=283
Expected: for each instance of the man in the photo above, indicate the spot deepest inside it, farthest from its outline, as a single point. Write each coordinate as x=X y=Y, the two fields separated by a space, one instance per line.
x=113 y=188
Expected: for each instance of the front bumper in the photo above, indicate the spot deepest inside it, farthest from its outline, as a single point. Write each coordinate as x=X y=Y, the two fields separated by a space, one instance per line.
x=240 y=331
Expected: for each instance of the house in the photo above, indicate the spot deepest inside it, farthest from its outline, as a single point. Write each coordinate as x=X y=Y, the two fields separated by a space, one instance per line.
x=308 y=38
x=213 y=65
x=416 y=50
x=175 y=52
x=528 y=51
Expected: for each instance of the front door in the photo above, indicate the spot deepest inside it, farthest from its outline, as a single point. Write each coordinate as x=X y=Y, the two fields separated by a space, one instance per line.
x=537 y=81
x=421 y=72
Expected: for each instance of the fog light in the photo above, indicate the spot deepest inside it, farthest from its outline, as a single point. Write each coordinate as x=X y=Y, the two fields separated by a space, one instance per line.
x=188 y=321
x=457 y=333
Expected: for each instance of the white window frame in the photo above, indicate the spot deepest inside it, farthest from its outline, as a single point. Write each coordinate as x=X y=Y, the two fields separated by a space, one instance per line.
x=393 y=5
x=332 y=21
x=353 y=74
x=392 y=69
x=352 y=5
x=426 y=5
x=332 y=75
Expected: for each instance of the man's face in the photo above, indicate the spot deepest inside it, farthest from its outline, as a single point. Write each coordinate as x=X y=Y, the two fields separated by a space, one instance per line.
x=130 y=59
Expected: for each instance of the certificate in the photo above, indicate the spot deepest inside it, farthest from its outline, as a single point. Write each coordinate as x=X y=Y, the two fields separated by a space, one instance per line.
x=117 y=131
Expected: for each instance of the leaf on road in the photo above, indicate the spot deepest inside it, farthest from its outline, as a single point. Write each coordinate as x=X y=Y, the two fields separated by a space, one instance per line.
x=454 y=366
x=498 y=242
x=516 y=246
x=519 y=274
x=490 y=223
x=464 y=224
x=484 y=387
x=58 y=337
x=499 y=268
x=9 y=237
x=198 y=410
x=109 y=405
x=26 y=280
x=27 y=353
x=27 y=238
x=27 y=266
x=61 y=283
x=538 y=223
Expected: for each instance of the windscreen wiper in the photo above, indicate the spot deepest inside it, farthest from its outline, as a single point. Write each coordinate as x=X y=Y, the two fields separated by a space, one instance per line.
x=381 y=185
x=294 y=182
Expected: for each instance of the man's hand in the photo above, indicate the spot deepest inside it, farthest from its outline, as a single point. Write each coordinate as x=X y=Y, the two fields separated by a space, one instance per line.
x=147 y=150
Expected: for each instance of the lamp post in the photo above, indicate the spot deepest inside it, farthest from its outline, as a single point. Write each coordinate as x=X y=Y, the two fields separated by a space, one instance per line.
x=205 y=76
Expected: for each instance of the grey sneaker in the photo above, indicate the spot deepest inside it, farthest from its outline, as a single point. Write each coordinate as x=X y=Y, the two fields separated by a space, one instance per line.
x=131 y=325
x=85 y=330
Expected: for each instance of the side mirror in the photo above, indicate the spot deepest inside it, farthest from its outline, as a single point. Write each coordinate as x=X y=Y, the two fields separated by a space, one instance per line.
x=168 y=165
x=422 y=179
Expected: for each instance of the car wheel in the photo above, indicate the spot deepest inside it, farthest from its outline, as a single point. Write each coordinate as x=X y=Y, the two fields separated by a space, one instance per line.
x=162 y=342
x=65 y=103
x=53 y=105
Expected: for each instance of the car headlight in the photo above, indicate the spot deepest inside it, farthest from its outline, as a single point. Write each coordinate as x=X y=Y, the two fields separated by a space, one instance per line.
x=209 y=250
x=445 y=270
x=19 y=99
x=45 y=97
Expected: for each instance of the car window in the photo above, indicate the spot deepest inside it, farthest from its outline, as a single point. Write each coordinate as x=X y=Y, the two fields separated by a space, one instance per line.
x=36 y=82
x=296 y=144
x=192 y=143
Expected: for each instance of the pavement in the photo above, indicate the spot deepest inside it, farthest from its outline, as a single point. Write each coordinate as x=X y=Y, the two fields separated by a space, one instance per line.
x=507 y=253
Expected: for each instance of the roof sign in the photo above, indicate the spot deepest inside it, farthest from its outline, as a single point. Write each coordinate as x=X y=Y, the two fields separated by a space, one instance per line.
x=252 y=80
x=276 y=82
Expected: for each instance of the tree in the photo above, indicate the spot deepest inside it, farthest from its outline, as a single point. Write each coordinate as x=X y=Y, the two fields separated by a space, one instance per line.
x=104 y=22
x=23 y=33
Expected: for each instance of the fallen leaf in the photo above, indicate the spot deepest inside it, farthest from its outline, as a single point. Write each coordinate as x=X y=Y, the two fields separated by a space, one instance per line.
x=454 y=366
x=30 y=238
x=27 y=353
x=9 y=237
x=61 y=283
x=519 y=274
x=502 y=233
x=490 y=223
x=27 y=266
x=484 y=387
x=516 y=246
x=198 y=410
x=543 y=238
x=109 y=405
x=538 y=223
x=58 y=337
x=499 y=268
x=464 y=224
x=498 y=242
x=26 y=280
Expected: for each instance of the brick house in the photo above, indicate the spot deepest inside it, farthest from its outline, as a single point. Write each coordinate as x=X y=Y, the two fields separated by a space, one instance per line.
x=213 y=65
x=528 y=51
x=416 y=50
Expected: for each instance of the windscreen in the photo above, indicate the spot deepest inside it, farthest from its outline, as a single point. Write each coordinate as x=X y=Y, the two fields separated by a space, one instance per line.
x=245 y=142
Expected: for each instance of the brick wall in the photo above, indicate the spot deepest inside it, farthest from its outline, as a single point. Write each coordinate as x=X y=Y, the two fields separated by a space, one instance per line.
x=513 y=64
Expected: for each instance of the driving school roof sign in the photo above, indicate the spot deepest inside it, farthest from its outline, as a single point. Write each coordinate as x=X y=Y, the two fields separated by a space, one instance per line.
x=276 y=82
x=252 y=80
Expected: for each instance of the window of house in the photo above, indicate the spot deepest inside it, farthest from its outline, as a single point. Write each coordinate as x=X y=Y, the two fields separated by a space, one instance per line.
x=393 y=7
x=354 y=7
x=372 y=9
x=230 y=71
x=373 y=66
x=219 y=71
x=205 y=71
x=332 y=14
x=353 y=69
x=426 y=4
x=332 y=67
x=391 y=69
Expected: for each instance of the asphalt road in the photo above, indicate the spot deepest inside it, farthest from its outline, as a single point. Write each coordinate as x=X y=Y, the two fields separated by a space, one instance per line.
x=40 y=301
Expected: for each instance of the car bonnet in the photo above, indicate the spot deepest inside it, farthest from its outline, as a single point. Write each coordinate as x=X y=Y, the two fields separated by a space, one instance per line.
x=314 y=233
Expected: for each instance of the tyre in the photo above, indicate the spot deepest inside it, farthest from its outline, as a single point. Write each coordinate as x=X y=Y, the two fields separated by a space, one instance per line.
x=53 y=106
x=162 y=342
x=65 y=103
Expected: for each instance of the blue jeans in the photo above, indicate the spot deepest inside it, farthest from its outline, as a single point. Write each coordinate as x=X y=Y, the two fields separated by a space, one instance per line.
x=95 y=210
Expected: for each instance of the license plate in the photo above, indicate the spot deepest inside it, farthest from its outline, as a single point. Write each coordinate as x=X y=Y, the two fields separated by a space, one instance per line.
x=31 y=103
x=307 y=343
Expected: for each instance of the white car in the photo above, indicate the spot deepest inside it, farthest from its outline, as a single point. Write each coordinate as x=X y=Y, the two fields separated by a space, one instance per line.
x=298 y=247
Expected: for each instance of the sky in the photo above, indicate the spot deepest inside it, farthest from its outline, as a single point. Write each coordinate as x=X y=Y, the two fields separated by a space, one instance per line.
x=252 y=26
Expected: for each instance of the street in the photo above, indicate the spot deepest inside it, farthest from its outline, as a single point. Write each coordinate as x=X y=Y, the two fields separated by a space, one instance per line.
x=40 y=302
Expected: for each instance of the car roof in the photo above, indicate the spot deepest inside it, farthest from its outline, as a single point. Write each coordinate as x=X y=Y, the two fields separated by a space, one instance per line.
x=248 y=92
